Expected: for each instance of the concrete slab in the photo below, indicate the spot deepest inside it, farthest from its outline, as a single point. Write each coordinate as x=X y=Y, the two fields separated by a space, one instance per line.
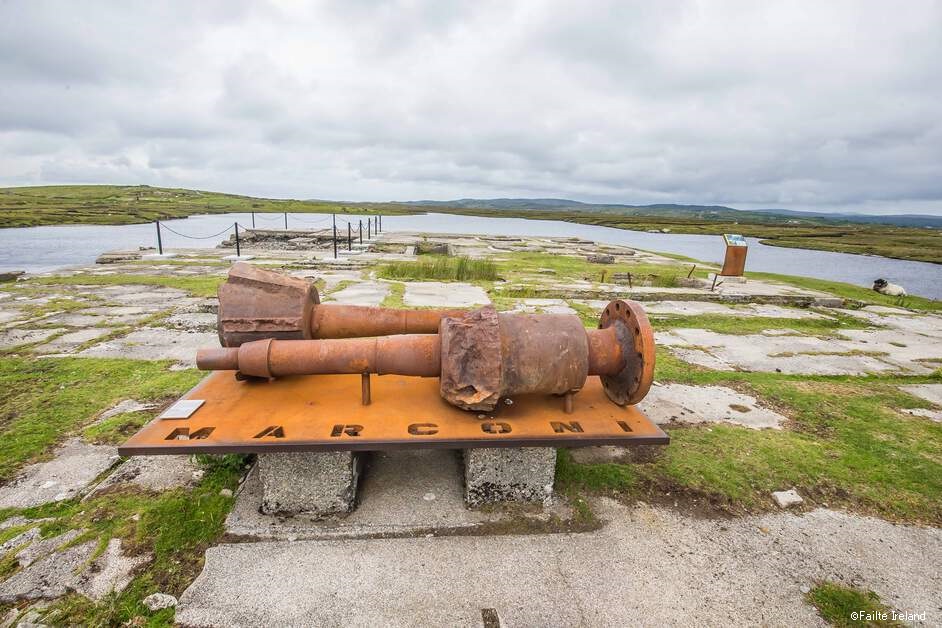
x=155 y=343
x=438 y=294
x=15 y=337
x=313 y=483
x=205 y=322
x=515 y=474
x=930 y=392
x=363 y=293
x=679 y=403
x=67 y=343
x=154 y=473
x=800 y=354
x=73 y=467
x=545 y=306
x=646 y=563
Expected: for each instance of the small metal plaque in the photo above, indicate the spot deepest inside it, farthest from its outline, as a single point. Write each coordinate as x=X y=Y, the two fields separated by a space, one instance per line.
x=182 y=409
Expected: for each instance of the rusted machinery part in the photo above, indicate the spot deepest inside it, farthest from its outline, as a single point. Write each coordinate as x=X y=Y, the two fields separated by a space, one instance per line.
x=356 y=321
x=488 y=355
x=416 y=355
x=479 y=357
x=635 y=336
x=255 y=304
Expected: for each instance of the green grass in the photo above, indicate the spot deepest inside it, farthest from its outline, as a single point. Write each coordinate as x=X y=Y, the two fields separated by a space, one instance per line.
x=43 y=400
x=522 y=267
x=394 y=298
x=837 y=605
x=441 y=268
x=846 y=445
x=122 y=205
x=199 y=286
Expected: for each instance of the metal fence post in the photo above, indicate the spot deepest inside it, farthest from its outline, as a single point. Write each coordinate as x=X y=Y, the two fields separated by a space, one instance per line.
x=335 y=235
x=361 y=231
x=286 y=221
x=253 y=220
x=349 y=238
x=160 y=244
x=238 y=247
x=369 y=227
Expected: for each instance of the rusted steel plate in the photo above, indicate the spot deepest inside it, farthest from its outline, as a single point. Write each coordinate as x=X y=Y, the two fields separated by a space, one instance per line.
x=324 y=413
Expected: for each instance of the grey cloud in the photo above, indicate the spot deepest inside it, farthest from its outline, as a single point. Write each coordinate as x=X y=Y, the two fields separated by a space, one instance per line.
x=806 y=105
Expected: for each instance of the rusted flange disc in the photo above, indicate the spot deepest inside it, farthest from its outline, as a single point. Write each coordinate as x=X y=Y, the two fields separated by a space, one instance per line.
x=636 y=337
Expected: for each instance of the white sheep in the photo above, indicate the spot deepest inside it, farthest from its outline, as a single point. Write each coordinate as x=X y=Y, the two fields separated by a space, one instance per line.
x=890 y=289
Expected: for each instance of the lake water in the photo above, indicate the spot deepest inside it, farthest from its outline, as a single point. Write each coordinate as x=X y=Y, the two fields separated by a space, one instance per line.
x=38 y=249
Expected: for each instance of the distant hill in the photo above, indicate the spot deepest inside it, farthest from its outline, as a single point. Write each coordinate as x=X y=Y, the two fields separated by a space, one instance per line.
x=669 y=210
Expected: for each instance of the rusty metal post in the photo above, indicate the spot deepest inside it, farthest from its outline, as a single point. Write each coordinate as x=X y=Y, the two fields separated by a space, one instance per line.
x=349 y=238
x=160 y=244
x=334 y=216
x=238 y=248
x=369 y=223
x=361 y=231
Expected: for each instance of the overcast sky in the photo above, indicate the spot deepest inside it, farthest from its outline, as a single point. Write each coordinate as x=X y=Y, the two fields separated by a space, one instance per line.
x=827 y=105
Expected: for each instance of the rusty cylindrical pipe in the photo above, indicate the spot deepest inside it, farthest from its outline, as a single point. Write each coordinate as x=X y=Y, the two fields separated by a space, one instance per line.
x=255 y=304
x=417 y=355
x=357 y=321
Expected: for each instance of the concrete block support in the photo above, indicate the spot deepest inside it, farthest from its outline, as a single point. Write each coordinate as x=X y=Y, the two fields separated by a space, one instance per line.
x=311 y=483
x=523 y=474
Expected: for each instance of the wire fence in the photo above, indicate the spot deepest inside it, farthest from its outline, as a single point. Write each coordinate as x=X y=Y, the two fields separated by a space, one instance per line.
x=354 y=230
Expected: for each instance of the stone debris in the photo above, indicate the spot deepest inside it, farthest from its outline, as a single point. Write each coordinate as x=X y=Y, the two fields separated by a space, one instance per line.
x=680 y=403
x=154 y=473
x=73 y=467
x=786 y=499
x=193 y=321
x=125 y=406
x=600 y=258
x=71 y=570
x=439 y=294
x=159 y=601
x=44 y=547
x=28 y=536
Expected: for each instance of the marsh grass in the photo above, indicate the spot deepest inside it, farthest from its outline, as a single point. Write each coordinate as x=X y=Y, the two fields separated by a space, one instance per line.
x=441 y=268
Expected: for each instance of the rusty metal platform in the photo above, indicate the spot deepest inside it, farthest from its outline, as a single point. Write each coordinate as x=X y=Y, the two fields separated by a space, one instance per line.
x=324 y=413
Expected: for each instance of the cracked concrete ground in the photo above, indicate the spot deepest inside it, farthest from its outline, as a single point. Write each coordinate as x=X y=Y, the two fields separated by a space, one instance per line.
x=855 y=352
x=73 y=467
x=646 y=566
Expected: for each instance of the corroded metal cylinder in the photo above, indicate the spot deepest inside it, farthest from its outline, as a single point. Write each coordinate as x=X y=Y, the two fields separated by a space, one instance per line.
x=479 y=357
x=255 y=304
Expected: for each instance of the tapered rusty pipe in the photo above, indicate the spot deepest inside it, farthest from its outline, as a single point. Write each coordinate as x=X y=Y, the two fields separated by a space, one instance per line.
x=416 y=355
x=255 y=304
x=357 y=321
